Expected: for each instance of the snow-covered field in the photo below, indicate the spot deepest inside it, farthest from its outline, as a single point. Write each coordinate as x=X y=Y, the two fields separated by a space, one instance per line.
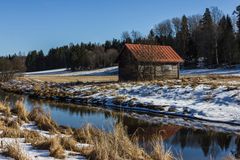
x=63 y=72
x=235 y=71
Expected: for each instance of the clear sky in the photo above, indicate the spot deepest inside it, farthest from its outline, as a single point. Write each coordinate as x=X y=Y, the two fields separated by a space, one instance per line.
x=42 y=24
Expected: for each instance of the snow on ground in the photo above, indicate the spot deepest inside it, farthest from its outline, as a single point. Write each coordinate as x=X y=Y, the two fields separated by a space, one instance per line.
x=46 y=72
x=220 y=104
x=63 y=72
x=235 y=71
x=203 y=101
x=33 y=153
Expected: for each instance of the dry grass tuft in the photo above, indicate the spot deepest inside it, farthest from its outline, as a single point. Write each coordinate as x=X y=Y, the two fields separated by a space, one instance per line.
x=56 y=149
x=14 y=150
x=52 y=144
x=40 y=142
x=20 y=111
x=11 y=133
x=33 y=137
x=159 y=152
x=69 y=143
x=13 y=124
x=43 y=120
x=2 y=124
x=116 y=145
x=66 y=130
x=5 y=109
x=86 y=133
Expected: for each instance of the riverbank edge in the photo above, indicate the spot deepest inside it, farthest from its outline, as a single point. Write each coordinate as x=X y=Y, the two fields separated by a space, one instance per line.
x=103 y=103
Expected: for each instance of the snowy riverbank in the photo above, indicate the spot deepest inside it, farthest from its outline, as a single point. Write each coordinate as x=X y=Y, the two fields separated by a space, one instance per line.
x=209 y=99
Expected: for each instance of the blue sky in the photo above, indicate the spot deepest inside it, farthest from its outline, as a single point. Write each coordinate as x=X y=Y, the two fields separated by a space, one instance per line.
x=42 y=24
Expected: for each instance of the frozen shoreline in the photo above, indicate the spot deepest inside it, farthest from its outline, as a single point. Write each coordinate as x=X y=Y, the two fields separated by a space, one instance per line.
x=217 y=104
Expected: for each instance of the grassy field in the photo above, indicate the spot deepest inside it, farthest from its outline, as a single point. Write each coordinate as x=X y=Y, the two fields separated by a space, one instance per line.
x=215 y=80
x=61 y=79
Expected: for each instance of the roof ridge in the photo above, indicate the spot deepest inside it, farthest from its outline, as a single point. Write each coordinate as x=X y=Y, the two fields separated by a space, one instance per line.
x=154 y=53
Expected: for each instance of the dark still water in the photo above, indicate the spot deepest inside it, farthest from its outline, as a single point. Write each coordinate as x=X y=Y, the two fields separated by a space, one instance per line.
x=191 y=144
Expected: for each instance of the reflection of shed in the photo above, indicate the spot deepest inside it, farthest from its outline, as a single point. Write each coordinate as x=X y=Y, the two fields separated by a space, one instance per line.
x=148 y=62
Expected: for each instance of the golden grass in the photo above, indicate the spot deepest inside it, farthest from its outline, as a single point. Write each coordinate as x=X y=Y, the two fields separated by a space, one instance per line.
x=13 y=124
x=52 y=144
x=86 y=133
x=159 y=152
x=14 y=150
x=20 y=110
x=113 y=146
x=32 y=136
x=61 y=79
x=56 y=149
x=5 y=109
x=69 y=143
x=117 y=145
x=43 y=120
x=11 y=133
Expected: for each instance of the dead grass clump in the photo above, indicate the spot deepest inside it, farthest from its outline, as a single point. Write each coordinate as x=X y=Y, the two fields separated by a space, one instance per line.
x=14 y=150
x=159 y=152
x=116 y=145
x=69 y=143
x=5 y=109
x=20 y=110
x=52 y=144
x=119 y=100
x=66 y=130
x=33 y=137
x=11 y=133
x=13 y=124
x=86 y=133
x=56 y=149
x=43 y=120
x=40 y=142
x=2 y=124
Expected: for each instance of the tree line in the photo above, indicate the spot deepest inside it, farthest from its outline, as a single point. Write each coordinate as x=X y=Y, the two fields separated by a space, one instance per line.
x=75 y=57
x=10 y=65
x=208 y=40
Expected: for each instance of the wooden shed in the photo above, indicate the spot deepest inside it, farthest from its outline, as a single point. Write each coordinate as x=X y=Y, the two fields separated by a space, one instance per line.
x=148 y=62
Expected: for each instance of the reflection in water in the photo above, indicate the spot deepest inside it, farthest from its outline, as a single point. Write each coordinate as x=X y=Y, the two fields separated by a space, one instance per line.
x=189 y=143
x=212 y=144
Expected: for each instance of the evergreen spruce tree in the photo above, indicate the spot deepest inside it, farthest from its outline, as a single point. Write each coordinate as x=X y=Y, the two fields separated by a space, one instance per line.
x=206 y=41
x=226 y=41
x=184 y=37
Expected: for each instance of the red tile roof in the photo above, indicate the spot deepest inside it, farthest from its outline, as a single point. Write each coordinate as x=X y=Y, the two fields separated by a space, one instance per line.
x=154 y=53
